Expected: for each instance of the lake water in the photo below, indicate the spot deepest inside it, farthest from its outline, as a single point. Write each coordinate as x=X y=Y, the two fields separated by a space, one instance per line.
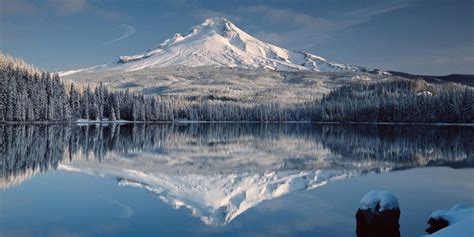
x=225 y=179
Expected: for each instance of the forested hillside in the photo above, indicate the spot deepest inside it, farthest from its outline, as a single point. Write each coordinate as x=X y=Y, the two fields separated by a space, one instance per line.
x=30 y=95
x=401 y=100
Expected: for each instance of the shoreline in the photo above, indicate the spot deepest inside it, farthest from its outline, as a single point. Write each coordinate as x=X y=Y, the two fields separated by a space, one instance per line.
x=90 y=122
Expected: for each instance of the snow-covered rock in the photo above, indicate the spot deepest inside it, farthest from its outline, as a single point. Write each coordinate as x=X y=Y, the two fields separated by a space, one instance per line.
x=378 y=215
x=217 y=42
x=378 y=200
x=458 y=221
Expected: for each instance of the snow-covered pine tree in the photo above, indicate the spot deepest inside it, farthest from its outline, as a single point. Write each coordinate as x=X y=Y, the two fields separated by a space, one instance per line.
x=112 y=114
x=74 y=102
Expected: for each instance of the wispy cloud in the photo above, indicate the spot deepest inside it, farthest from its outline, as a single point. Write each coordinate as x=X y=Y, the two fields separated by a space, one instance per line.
x=363 y=15
x=69 y=6
x=202 y=13
x=18 y=7
x=127 y=29
x=307 y=30
x=58 y=8
x=286 y=15
x=340 y=21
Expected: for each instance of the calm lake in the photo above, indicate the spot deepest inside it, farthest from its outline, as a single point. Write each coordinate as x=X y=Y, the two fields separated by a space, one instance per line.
x=225 y=179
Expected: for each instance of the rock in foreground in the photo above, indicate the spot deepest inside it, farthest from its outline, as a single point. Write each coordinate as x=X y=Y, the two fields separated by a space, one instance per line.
x=459 y=221
x=378 y=215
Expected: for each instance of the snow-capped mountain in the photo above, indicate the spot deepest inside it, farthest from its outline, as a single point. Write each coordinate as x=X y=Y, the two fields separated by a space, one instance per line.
x=217 y=42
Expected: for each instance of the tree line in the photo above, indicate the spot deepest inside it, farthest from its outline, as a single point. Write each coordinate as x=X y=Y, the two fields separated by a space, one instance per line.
x=401 y=100
x=28 y=94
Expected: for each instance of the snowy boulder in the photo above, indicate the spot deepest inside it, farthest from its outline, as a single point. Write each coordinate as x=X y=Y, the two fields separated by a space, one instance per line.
x=378 y=215
x=378 y=201
x=459 y=221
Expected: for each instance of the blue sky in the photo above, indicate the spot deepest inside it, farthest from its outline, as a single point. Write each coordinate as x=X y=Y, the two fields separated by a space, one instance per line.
x=425 y=37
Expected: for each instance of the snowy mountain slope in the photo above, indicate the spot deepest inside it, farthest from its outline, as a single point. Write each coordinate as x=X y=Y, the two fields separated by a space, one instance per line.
x=217 y=42
x=242 y=85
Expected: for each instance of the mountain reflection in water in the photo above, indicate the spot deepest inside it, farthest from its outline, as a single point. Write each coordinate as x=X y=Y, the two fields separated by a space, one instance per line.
x=218 y=171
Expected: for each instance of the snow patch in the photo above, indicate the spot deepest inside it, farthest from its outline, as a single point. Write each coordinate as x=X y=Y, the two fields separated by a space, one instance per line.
x=424 y=93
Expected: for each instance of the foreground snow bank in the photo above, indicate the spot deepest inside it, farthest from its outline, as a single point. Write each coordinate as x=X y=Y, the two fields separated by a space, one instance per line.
x=378 y=200
x=459 y=221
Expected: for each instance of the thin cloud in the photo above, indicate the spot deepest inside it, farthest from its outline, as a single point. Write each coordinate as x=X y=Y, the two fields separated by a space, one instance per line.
x=58 y=8
x=69 y=7
x=361 y=16
x=128 y=30
x=302 y=20
x=309 y=31
x=18 y=7
x=202 y=13
x=286 y=15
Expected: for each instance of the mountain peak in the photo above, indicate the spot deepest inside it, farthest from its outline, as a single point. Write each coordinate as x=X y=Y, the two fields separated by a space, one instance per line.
x=216 y=25
x=216 y=21
x=217 y=42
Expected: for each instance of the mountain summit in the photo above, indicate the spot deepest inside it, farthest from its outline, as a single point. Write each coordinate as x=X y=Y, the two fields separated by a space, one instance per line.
x=217 y=42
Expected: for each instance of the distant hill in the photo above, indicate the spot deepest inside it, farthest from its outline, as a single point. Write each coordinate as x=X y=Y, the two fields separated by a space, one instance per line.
x=465 y=79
